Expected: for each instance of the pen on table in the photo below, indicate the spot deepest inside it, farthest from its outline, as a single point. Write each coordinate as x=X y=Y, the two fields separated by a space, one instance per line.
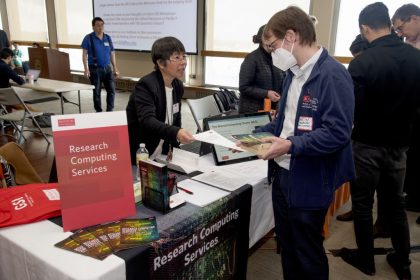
x=185 y=190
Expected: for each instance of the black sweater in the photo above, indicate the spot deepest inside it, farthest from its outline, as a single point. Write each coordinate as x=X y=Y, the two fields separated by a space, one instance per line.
x=6 y=73
x=256 y=77
x=146 y=113
x=386 y=86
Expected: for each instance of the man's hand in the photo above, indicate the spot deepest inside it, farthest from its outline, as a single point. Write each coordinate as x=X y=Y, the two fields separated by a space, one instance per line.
x=279 y=147
x=274 y=96
x=86 y=74
x=184 y=136
x=116 y=72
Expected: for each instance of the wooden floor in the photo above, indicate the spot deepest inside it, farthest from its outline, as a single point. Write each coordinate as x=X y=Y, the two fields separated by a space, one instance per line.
x=263 y=261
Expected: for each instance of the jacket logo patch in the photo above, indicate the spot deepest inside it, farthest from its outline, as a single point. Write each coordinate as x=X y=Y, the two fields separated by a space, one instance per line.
x=310 y=103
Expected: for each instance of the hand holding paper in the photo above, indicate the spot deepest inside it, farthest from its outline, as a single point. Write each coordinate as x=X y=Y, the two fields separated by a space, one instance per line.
x=254 y=142
x=278 y=147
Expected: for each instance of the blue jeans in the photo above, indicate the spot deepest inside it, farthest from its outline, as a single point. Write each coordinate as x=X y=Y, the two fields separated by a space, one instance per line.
x=99 y=75
x=381 y=169
x=299 y=234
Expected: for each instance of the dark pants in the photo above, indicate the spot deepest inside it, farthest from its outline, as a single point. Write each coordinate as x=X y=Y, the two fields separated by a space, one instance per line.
x=381 y=169
x=299 y=233
x=99 y=75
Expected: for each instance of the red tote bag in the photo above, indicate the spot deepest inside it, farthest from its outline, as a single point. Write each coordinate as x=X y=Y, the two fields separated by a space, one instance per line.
x=29 y=203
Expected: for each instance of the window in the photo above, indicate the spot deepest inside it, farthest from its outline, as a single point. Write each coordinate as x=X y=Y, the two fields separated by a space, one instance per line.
x=27 y=20
x=230 y=29
x=71 y=31
x=348 y=22
x=73 y=19
x=75 y=57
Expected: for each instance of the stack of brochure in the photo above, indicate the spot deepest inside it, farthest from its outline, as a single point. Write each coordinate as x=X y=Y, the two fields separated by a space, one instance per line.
x=102 y=240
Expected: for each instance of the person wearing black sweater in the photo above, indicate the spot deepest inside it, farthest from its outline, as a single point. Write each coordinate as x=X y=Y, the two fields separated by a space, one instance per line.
x=386 y=87
x=258 y=78
x=6 y=72
x=154 y=107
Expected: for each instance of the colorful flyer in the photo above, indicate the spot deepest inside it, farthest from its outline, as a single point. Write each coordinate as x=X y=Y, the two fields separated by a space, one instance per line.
x=138 y=231
x=94 y=169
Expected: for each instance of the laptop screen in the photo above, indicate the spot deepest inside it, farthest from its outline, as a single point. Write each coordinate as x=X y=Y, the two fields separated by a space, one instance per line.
x=232 y=125
x=34 y=72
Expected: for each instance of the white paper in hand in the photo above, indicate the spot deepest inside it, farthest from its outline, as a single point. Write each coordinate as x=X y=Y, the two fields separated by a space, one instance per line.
x=212 y=137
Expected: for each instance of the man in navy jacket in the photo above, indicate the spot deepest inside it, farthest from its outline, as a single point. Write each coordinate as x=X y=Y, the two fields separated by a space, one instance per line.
x=310 y=156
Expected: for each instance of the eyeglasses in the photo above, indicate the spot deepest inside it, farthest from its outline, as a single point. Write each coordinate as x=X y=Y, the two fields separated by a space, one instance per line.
x=178 y=58
x=270 y=46
x=399 y=28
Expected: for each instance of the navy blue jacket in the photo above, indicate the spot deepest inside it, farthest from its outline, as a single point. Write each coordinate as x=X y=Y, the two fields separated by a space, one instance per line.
x=321 y=159
x=7 y=73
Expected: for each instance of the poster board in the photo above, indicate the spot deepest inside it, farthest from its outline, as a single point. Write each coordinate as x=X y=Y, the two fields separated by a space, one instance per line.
x=93 y=166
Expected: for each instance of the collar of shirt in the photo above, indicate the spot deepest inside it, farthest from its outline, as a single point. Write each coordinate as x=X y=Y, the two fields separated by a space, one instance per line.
x=306 y=68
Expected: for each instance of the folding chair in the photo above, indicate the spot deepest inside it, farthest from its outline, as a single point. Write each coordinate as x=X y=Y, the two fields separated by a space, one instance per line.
x=9 y=97
x=203 y=108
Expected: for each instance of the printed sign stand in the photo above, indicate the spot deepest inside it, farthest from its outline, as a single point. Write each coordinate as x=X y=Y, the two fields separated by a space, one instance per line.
x=94 y=169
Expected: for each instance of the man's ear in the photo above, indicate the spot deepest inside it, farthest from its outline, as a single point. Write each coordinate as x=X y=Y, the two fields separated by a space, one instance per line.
x=291 y=36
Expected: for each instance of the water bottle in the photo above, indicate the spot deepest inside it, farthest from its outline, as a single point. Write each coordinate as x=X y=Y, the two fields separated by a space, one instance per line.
x=141 y=154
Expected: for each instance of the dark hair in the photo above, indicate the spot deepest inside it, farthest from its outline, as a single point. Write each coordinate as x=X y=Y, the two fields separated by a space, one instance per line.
x=36 y=45
x=404 y=12
x=358 y=45
x=97 y=19
x=257 y=38
x=163 y=48
x=375 y=16
x=6 y=53
x=295 y=19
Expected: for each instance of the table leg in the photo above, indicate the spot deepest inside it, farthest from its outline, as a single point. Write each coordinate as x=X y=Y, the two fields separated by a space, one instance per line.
x=80 y=104
x=62 y=102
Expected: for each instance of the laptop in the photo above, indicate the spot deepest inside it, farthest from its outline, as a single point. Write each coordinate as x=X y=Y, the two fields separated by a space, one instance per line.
x=233 y=125
x=34 y=72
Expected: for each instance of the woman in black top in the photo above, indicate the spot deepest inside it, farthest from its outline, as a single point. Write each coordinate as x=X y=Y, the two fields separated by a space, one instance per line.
x=258 y=78
x=154 y=107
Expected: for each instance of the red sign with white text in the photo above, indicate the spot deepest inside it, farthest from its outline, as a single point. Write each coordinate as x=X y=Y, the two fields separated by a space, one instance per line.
x=94 y=169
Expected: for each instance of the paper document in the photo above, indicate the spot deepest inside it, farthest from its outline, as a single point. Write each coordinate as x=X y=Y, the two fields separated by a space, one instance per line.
x=212 y=137
x=202 y=194
x=182 y=161
x=223 y=179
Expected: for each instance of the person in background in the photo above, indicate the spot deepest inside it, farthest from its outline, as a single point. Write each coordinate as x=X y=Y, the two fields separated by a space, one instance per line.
x=258 y=78
x=36 y=45
x=356 y=48
x=310 y=156
x=154 y=107
x=384 y=77
x=100 y=64
x=18 y=58
x=381 y=227
x=6 y=71
x=406 y=22
x=4 y=40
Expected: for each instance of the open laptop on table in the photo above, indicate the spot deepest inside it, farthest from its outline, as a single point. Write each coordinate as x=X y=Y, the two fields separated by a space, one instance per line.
x=34 y=72
x=232 y=125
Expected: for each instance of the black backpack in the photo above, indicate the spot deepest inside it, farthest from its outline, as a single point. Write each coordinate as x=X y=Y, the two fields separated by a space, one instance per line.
x=226 y=99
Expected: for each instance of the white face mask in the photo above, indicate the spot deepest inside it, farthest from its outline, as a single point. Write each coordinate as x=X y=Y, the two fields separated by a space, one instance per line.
x=283 y=59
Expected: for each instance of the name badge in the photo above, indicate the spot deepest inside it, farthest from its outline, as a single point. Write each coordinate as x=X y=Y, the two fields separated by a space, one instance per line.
x=106 y=44
x=305 y=123
x=175 y=108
